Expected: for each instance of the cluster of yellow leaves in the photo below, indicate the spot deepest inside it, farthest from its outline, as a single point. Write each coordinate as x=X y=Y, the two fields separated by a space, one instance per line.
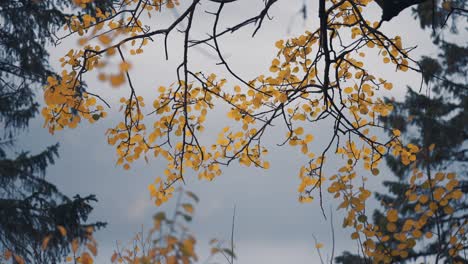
x=167 y=242
x=293 y=91
x=67 y=101
x=10 y=256
x=428 y=196
x=348 y=14
x=82 y=252
x=82 y=3
x=170 y=248
x=359 y=100
x=129 y=135
x=85 y=251
x=181 y=113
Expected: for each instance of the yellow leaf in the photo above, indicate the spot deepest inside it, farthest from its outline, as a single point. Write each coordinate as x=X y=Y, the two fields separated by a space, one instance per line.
x=279 y=44
x=447 y=5
x=391 y=227
x=417 y=233
x=308 y=138
x=124 y=66
x=423 y=199
x=75 y=244
x=392 y=215
x=62 y=230
x=171 y=260
x=299 y=130
x=453 y=240
x=457 y=194
x=7 y=254
x=188 y=247
x=104 y=39
x=86 y=258
x=117 y=80
x=188 y=208
x=318 y=245
x=438 y=193
x=304 y=148
x=375 y=171
x=45 y=242
x=412 y=197
x=92 y=248
x=19 y=259
x=214 y=251
x=171 y=240
x=283 y=98
x=82 y=41
x=114 y=257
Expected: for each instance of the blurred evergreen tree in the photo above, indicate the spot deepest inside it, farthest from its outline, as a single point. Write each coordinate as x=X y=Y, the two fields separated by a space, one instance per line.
x=436 y=120
x=31 y=208
x=349 y=258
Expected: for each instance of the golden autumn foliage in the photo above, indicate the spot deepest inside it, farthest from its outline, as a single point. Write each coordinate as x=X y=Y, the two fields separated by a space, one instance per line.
x=167 y=241
x=293 y=91
x=316 y=76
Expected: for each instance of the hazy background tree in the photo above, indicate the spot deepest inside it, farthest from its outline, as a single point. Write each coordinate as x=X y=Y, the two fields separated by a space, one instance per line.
x=31 y=208
x=433 y=117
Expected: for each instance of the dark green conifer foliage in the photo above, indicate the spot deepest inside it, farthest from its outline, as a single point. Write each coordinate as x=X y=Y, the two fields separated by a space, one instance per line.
x=349 y=258
x=31 y=208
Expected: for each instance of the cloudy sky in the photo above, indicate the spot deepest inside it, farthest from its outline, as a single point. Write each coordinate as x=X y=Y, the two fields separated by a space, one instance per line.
x=270 y=226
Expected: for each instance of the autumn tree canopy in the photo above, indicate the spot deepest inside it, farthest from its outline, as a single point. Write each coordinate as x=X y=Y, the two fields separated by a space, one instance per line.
x=320 y=76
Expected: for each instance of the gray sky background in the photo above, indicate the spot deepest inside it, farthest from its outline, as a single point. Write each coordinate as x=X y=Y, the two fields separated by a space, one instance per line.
x=271 y=226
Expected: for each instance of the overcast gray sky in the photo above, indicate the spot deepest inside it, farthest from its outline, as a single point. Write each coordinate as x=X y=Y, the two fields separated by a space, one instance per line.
x=271 y=226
